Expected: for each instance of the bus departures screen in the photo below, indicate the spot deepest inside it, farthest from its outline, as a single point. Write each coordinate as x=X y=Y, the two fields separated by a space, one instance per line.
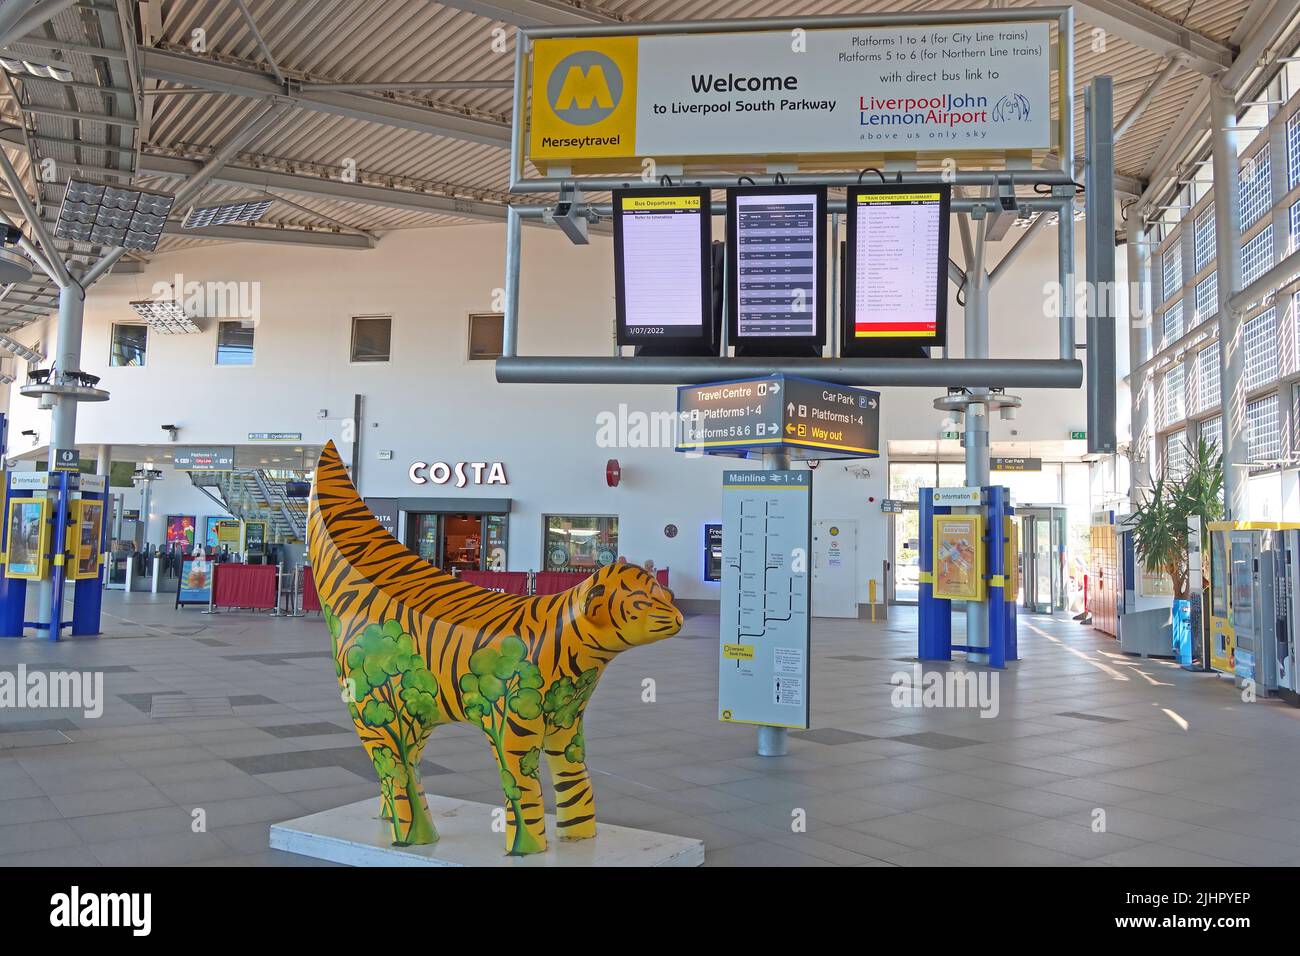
x=662 y=265
x=776 y=266
x=896 y=269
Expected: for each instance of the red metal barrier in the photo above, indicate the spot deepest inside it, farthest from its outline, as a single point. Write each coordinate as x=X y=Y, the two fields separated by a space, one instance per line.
x=662 y=577
x=553 y=582
x=507 y=582
x=244 y=585
x=310 y=599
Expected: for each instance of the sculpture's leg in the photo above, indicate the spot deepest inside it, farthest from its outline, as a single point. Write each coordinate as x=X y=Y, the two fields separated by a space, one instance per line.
x=575 y=801
x=518 y=753
x=402 y=801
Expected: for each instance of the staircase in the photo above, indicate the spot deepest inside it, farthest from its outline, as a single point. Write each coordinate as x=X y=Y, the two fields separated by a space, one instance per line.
x=257 y=494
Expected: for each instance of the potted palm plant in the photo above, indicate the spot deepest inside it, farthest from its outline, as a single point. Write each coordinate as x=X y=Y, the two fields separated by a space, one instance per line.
x=1160 y=528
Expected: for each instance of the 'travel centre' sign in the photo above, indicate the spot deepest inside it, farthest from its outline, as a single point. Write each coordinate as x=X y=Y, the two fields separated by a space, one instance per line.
x=838 y=92
x=811 y=419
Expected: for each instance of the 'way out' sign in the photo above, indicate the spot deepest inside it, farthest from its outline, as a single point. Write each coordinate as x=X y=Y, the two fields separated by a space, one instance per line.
x=817 y=93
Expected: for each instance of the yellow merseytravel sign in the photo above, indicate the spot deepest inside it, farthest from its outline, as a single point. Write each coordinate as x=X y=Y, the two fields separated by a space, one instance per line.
x=583 y=98
x=830 y=94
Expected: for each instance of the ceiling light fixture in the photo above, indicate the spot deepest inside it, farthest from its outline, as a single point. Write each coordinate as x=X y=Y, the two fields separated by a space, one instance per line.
x=225 y=213
x=113 y=215
x=165 y=316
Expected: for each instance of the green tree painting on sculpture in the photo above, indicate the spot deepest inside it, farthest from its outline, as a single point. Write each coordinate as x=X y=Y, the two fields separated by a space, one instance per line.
x=395 y=697
x=500 y=683
x=563 y=705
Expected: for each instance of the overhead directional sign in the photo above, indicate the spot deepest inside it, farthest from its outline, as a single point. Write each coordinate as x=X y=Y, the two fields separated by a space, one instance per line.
x=812 y=419
x=1016 y=464
x=204 y=459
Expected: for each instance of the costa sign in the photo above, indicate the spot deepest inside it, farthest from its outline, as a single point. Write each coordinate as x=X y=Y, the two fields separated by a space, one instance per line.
x=459 y=473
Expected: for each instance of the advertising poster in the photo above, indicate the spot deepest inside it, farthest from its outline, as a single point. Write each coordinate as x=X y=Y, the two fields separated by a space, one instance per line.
x=180 y=530
x=195 y=583
x=842 y=91
x=210 y=531
x=88 y=529
x=959 y=557
x=255 y=537
x=28 y=536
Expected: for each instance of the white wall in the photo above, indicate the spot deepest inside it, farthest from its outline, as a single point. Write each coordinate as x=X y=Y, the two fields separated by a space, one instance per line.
x=431 y=403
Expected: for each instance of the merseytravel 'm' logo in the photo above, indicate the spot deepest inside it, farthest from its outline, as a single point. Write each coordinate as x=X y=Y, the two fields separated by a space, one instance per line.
x=585 y=87
x=584 y=98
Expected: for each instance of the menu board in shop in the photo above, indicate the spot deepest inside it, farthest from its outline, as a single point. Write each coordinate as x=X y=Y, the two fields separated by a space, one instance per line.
x=897 y=266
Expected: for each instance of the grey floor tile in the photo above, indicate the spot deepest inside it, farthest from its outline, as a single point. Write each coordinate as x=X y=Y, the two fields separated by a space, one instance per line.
x=97 y=802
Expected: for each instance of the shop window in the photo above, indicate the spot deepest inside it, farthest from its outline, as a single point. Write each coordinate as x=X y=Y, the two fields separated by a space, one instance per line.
x=235 y=343
x=580 y=542
x=372 y=337
x=130 y=343
x=486 y=334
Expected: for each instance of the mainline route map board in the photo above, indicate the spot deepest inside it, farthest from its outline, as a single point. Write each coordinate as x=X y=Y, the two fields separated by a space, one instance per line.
x=766 y=548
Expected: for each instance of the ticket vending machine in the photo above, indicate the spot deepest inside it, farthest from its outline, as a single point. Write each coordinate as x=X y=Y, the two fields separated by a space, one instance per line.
x=1253 y=603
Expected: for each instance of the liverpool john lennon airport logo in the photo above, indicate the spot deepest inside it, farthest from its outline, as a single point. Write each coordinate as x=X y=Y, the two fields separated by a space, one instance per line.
x=1013 y=106
x=584 y=88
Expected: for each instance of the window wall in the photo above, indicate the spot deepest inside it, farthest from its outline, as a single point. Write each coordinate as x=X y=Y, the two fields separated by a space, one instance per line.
x=1186 y=390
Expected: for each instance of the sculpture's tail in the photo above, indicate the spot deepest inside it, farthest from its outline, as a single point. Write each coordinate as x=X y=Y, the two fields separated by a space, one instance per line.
x=364 y=574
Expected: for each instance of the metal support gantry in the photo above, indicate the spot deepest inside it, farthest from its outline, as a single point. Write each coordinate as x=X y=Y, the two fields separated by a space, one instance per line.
x=974 y=370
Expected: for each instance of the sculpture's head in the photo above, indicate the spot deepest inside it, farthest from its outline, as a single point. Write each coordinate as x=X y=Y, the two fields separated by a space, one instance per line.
x=627 y=600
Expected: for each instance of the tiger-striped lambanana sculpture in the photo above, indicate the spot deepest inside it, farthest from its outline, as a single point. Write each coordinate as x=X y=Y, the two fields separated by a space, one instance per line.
x=415 y=647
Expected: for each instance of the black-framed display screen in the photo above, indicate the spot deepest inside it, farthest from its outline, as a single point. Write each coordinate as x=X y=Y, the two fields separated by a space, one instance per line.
x=776 y=265
x=896 y=268
x=663 y=266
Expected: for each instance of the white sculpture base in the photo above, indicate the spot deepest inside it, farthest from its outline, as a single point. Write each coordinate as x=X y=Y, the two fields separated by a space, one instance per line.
x=355 y=835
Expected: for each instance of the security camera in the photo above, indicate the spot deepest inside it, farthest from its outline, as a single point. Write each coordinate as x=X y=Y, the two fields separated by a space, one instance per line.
x=171 y=431
x=29 y=433
x=10 y=235
x=571 y=221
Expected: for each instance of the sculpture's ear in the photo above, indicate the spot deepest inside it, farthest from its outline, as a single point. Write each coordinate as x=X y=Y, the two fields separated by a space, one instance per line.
x=593 y=592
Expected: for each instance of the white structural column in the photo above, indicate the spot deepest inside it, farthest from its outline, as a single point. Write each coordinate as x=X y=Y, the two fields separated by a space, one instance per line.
x=1139 y=350
x=977 y=420
x=104 y=460
x=1227 y=237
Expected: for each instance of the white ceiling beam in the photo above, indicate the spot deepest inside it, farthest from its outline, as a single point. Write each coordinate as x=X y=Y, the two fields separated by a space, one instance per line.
x=1153 y=32
x=533 y=13
x=181 y=68
x=274 y=235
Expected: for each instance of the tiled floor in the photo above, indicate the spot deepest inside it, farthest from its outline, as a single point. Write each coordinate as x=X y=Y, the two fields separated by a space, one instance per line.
x=238 y=715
